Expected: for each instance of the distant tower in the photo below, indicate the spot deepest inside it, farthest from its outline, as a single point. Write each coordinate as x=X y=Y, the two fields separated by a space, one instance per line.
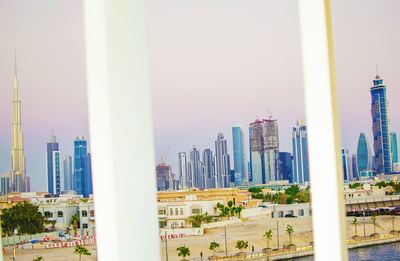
x=208 y=169
x=347 y=166
x=286 y=166
x=256 y=142
x=53 y=166
x=364 y=154
x=195 y=169
x=82 y=168
x=380 y=126
x=271 y=149
x=222 y=162
x=394 y=148
x=300 y=154
x=68 y=170
x=182 y=170
x=239 y=156
x=18 y=171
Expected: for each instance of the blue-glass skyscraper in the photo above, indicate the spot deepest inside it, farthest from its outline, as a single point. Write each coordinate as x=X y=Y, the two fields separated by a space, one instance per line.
x=285 y=166
x=347 y=166
x=82 y=168
x=53 y=166
x=394 y=148
x=239 y=156
x=380 y=126
x=300 y=154
x=364 y=155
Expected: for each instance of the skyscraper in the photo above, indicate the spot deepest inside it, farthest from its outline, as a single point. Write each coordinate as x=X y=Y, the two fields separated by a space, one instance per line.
x=256 y=142
x=195 y=169
x=82 y=168
x=347 y=166
x=364 y=154
x=271 y=149
x=53 y=166
x=18 y=171
x=68 y=173
x=394 y=148
x=222 y=162
x=380 y=126
x=285 y=166
x=5 y=184
x=208 y=169
x=164 y=177
x=356 y=174
x=300 y=154
x=239 y=156
x=182 y=170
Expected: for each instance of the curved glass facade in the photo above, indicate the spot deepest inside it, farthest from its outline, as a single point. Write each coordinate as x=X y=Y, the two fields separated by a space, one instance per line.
x=363 y=154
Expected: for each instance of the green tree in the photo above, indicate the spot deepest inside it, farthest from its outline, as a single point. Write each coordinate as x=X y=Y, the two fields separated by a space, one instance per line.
x=39 y=258
x=355 y=224
x=81 y=251
x=75 y=222
x=238 y=211
x=213 y=246
x=23 y=216
x=197 y=220
x=289 y=231
x=241 y=244
x=293 y=190
x=183 y=251
x=255 y=190
x=268 y=236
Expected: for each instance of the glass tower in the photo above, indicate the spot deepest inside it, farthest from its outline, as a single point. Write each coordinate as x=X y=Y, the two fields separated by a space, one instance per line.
x=394 y=148
x=82 y=168
x=67 y=163
x=256 y=142
x=380 y=126
x=239 y=156
x=53 y=166
x=222 y=161
x=364 y=155
x=300 y=154
x=285 y=166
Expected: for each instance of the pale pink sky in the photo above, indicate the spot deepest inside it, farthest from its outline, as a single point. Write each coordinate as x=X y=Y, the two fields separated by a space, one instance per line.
x=214 y=64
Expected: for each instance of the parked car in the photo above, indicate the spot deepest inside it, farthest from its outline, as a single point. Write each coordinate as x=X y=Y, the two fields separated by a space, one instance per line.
x=290 y=216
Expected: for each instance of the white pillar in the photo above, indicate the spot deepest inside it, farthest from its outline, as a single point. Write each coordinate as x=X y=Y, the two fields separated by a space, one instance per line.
x=121 y=130
x=323 y=129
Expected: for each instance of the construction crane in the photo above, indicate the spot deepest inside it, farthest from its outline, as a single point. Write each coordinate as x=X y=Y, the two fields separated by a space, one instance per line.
x=164 y=155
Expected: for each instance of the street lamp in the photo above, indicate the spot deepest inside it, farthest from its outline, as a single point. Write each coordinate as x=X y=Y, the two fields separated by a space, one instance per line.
x=15 y=234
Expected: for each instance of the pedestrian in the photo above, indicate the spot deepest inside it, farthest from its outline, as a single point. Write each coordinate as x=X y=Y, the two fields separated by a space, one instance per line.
x=201 y=255
x=252 y=248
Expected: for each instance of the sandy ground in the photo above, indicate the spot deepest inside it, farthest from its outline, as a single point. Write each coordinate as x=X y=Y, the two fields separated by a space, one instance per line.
x=57 y=254
x=252 y=231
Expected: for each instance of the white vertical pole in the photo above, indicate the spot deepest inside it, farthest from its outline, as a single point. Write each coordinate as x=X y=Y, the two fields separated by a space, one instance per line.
x=323 y=128
x=121 y=130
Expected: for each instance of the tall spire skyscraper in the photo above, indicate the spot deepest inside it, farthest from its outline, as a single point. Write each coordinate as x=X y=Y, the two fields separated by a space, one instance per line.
x=19 y=180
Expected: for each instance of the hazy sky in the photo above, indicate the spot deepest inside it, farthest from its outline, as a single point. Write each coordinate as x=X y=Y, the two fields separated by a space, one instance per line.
x=214 y=64
x=50 y=51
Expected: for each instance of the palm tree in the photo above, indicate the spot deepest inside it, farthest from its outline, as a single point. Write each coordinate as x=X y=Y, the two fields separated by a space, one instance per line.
x=355 y=223
x=238 y=211
x=183 y=251
x=80 y=250
x=199 y=219
x=289 y=231
x=75 y=222
x=213 y=246
x=268 y=236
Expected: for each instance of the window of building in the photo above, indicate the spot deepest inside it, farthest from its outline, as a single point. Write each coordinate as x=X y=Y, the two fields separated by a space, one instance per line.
x=48 y=214
x=162 y=224
x=181 y=211
x=301 y=212
x=84 y=213
x=92 y=213
x=171 y=212
x=196 y=211
x=176 y=212
x=60 y=214
x=162 y=212
x=85 y=225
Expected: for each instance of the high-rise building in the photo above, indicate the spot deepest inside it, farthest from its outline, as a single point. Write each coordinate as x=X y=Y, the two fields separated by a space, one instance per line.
x=286 y=166
x=182 y=170
x=164 y=177
x=394 y=148
x=53 y=166
x=364 y=154
x=195 y=169
x=222 y=162
x=256 y=143
x=208 y=169
x=5 y=184
x=347 y=166
x=380 y=126
x=82 y=168
x=300 y=154
x=271 y=149
x=356 y=174
x=68 y=173
x=239 y=156
x=18 y=171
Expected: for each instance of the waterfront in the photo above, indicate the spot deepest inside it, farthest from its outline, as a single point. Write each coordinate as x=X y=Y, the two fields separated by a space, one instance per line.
x=385 y=252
